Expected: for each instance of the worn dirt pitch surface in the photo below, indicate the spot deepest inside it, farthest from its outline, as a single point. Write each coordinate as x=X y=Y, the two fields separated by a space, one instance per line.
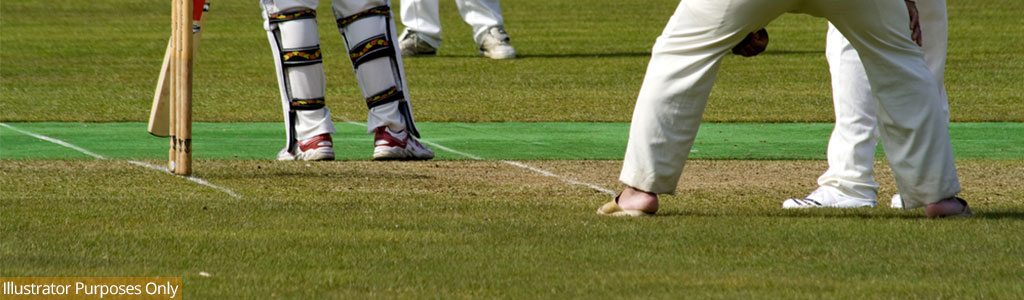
x=490 y=229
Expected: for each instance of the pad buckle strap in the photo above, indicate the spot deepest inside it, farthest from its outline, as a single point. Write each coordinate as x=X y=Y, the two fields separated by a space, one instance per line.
x=295 y=15
x=308 y=104
x=382 y=10
x=385 y=97
x=372 y=48
x=301 y=56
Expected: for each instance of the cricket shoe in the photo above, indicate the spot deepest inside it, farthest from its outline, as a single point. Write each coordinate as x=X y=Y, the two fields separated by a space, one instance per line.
x=390 y=145
x=826 y=197
x=412 y=45
x=496 y=44
x=319 y=147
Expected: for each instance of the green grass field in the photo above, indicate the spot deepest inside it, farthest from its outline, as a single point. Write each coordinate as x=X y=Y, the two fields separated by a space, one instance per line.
x=527 y=151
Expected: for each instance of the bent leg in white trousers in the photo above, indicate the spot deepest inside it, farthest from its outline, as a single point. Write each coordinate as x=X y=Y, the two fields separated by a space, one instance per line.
x=851 y=149
x=678 y=81
x=687 y=55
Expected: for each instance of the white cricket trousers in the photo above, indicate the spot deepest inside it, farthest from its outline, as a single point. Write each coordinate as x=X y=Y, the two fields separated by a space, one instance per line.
x=687 y=55
x=851 y=149
x=423 y=17
x=306 y=83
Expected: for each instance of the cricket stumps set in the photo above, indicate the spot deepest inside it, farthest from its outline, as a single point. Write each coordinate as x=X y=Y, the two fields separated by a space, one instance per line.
x=171 y=115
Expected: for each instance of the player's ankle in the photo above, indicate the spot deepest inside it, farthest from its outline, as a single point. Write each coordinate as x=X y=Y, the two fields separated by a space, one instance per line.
x=635 y=199
x=945 y=207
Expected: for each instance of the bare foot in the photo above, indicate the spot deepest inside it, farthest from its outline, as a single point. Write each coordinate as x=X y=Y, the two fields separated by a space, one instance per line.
x=634 y=199
x=951 y=207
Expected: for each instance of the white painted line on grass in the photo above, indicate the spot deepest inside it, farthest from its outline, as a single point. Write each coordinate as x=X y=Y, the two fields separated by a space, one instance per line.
x=55 y=141
x=439 y=146
x=190 y=178
x=513 y=163
x=563 y=178
x=137 y=163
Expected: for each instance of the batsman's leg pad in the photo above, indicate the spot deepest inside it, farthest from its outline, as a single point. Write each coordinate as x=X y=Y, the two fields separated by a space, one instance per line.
x=370 y=38
x=296 y=45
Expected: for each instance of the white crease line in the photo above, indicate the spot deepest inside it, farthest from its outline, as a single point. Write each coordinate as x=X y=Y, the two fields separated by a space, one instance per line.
x=137 y=163
x=563 y=178
x=517 y=164
x=190 y=178
x=55 y=141
x=439 y=146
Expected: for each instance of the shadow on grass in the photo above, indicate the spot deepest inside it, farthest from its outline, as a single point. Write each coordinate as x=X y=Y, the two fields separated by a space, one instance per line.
x=547 y=55
x=791 y=52
x=648 y=54
x=614 y=54
x=841 y=214
x=592 y=55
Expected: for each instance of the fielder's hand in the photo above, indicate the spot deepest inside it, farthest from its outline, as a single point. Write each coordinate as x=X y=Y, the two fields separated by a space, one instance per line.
x=753 y=44
x=915 y=22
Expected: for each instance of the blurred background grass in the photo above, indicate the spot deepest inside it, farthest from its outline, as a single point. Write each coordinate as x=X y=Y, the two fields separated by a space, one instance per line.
x=89 y=61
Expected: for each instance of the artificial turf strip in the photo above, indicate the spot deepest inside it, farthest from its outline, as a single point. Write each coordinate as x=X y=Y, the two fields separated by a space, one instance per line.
x=515 y=141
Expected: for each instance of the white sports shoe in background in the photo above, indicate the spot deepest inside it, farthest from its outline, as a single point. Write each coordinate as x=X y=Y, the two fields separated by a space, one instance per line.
x=897 y=202
x=389 y=145
x=826 y=197
x=496 y=44
x=412 y=45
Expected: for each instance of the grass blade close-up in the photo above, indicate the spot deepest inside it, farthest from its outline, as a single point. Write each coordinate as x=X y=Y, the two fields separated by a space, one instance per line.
x=527 y=149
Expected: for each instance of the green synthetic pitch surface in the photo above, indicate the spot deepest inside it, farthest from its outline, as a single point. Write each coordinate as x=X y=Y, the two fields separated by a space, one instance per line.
x=520 y=222
x=510 y=141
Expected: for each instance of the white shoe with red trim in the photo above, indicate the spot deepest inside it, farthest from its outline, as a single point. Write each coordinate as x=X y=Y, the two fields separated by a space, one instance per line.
x=389 y=145
x=319 y=147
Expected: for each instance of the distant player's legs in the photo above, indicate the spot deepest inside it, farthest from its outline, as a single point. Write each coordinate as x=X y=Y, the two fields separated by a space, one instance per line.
x=422 y=35
x=849 y=181
x=422 y=19
x=482 y=15
x=292 y=31
x=488 y=27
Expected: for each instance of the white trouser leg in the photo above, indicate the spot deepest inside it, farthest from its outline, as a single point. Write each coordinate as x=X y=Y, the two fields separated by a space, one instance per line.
x=684 y=62
x=852 y=146
x=423 y=17
x=935 y=34
x=851 y=149
x=482 y=15
x=297 y=81
x=914 y=125
x=687 y=55
x=379 y=75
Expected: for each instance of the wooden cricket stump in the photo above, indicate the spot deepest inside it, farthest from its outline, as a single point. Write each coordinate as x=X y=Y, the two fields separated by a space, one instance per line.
x=180 y=100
